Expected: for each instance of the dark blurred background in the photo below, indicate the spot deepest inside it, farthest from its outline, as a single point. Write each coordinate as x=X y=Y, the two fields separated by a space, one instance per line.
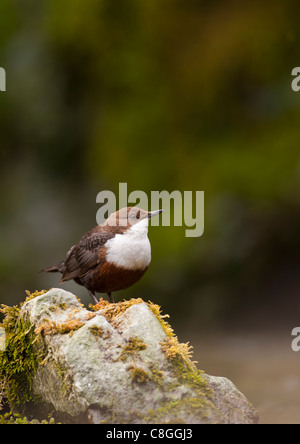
x=162 y=94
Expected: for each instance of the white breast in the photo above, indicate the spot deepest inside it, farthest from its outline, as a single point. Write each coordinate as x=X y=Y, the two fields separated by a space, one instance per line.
x=132 y=249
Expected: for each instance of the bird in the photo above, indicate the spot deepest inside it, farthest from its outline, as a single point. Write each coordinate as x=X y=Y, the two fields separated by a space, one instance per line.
x=111 y=256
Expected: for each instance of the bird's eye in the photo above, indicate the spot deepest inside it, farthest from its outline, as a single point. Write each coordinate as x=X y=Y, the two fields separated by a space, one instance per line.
x=136 y=215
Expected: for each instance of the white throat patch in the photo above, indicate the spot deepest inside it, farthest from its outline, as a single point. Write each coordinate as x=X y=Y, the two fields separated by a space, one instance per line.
x=132 y=249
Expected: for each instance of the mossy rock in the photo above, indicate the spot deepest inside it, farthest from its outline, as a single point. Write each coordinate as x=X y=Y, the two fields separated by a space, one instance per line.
x=116 y=363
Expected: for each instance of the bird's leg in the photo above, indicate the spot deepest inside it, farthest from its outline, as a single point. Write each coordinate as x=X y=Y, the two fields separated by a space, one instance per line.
x=110 y=297
x=92 y=294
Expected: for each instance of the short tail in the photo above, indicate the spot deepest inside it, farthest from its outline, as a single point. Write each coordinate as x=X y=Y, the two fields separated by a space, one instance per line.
x=53 y=269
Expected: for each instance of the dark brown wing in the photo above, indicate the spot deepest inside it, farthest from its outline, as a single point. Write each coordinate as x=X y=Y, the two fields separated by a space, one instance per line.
x=85 y=255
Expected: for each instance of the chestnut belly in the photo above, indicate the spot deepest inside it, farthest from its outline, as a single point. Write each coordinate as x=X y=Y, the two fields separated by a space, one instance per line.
x=107 y=278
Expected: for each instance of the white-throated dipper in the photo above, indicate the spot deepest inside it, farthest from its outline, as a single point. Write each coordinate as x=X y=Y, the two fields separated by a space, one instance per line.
x=112 y=256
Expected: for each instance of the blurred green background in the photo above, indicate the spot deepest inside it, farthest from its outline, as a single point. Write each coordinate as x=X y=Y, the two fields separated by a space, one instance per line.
x=161 y=94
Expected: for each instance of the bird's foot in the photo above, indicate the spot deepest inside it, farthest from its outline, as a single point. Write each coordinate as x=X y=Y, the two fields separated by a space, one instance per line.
x=110 y=297
x=93 y=297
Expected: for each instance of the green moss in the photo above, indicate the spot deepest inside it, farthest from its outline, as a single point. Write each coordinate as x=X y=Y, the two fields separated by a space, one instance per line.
x=177 y=352
x=14 y=418
x=138 y=375
x=156 y=310
x=133 y=346
x=99 y=332
x=157 y=376
x=179 y=355
x=52 y=327
x=57 y=308
x=112 y=311
x=175 y=409
x=64 y=376
x=19 y=361
x=35 y=294
x=184 y=369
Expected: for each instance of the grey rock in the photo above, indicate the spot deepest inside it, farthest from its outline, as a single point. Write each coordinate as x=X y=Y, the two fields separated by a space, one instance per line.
x=2 y=339
x=103 y=369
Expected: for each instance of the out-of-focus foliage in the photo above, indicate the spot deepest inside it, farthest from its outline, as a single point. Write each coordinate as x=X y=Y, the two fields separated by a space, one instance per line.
x=161 y=94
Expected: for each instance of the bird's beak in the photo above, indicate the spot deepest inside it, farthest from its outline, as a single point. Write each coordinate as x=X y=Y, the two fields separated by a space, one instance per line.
x=154 y=213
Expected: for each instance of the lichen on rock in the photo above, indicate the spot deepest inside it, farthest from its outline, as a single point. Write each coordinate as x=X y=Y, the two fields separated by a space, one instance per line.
x=119 y=363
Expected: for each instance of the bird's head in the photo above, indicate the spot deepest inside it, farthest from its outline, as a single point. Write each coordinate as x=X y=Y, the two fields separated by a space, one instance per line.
x=129 y=216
